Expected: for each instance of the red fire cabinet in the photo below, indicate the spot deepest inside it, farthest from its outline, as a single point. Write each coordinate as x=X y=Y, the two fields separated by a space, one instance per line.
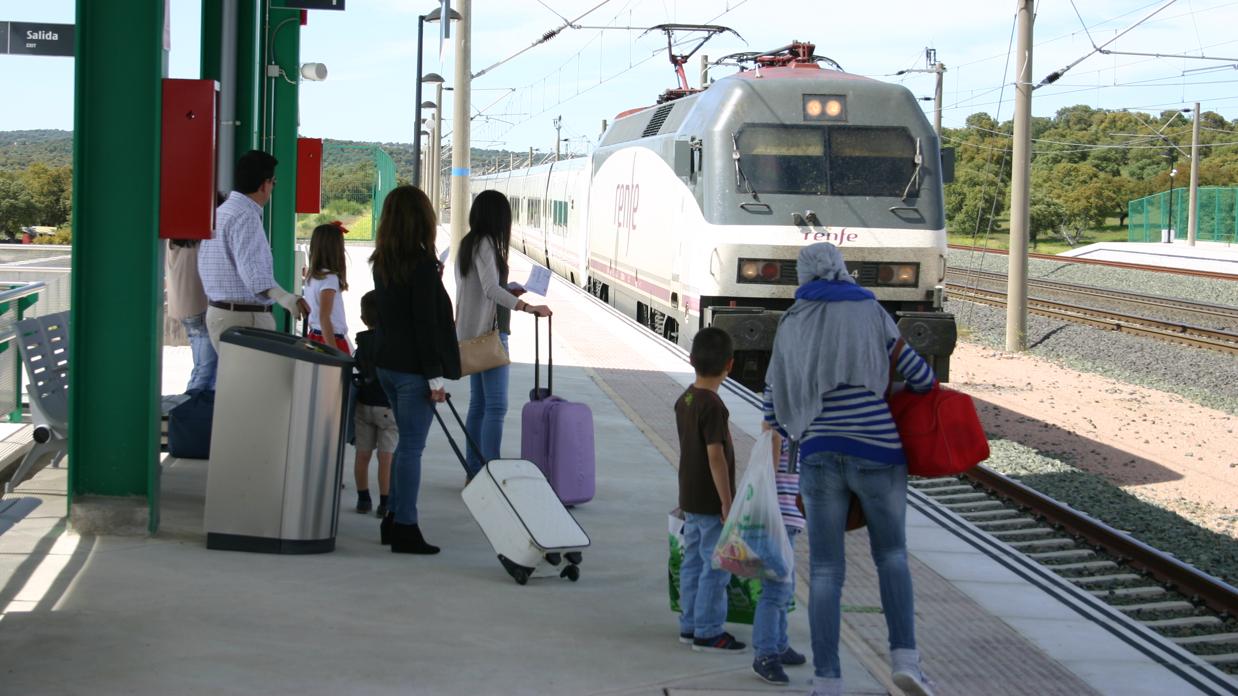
x=309 y=175
x=187 y=160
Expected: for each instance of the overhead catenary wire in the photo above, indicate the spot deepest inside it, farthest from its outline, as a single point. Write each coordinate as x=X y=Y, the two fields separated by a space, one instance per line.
x=570 y=24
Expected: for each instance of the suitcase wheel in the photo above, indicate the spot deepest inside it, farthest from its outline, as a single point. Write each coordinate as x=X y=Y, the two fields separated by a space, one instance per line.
x=571 y=573
x=572 y=557
x=518 y=572
x=553 y=558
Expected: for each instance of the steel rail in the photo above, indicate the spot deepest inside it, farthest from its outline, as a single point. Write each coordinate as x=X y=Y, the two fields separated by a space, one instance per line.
x=1190 y=581
x=1204 y=308
x=1185 y=334
x=1099 y=262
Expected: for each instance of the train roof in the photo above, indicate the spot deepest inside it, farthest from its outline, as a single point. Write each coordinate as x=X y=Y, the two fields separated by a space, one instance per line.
x=649 y=121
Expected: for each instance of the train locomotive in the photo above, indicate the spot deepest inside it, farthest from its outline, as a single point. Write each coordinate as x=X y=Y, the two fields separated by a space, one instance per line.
x=691 y=213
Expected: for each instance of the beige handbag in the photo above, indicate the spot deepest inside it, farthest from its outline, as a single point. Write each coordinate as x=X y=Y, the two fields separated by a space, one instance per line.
x=483 y=353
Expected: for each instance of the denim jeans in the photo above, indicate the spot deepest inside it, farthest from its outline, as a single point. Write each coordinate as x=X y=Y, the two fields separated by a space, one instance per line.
x=205 y=360
x=409 y=395
x=487 y=408
x=827 y=480
x=702 y=590
x=769 y=626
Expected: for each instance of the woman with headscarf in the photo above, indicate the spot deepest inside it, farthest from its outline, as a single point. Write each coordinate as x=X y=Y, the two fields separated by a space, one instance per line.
x=825 y=389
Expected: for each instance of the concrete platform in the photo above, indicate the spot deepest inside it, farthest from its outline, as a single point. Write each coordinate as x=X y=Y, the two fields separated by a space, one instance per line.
x=1216 y=257
x=113 y=615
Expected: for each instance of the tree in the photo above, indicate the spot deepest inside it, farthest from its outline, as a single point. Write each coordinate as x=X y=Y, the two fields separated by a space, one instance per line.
x=1045 y=215
x=51 y=190
x=974 y=200
x=17 y=206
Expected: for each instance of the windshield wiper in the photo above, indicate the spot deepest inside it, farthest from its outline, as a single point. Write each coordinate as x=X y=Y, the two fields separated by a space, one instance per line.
x=915 y=174
x=739 y=171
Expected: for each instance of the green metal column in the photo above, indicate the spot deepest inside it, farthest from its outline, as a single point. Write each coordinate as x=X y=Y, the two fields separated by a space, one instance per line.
x=212 y=29
x=284 y=50
x=117 y=293
x=249 y=80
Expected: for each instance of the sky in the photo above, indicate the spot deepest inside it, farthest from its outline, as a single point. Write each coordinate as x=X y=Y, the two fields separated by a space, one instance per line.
x=586 y=75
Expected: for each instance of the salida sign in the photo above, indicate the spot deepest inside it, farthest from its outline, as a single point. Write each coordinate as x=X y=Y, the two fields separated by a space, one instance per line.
x=36 y=39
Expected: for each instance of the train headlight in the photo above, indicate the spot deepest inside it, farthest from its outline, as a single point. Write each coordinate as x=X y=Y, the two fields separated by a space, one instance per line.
x=766 y=271
x=898 y=274
x=825 y=107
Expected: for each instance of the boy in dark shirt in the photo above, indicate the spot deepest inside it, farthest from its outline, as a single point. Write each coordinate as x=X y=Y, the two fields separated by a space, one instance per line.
x=375 y=424
x=706 y=483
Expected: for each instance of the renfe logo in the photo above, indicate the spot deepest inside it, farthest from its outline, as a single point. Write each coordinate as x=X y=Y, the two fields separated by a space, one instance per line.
x=838 y=237
x=627 y=202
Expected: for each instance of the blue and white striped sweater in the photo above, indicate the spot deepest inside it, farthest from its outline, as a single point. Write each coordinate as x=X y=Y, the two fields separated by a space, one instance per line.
x=855 y=421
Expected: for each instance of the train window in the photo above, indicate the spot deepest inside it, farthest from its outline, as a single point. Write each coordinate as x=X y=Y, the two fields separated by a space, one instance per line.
x=867 y=161
x=781 y=159
x=836 y=160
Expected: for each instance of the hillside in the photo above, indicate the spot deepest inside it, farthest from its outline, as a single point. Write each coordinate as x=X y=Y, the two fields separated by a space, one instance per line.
x=20 y=149
x=54 y=148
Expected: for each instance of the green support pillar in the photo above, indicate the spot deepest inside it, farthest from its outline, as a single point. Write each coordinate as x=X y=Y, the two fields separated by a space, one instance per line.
x=115 y=347
x=285 y=51
x=249 y=80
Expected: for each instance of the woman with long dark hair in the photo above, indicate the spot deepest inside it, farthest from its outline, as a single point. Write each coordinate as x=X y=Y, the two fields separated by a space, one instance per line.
x=484 y=303
x=416 y=350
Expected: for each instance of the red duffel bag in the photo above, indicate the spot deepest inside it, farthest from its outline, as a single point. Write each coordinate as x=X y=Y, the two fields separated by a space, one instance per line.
x=940 y=430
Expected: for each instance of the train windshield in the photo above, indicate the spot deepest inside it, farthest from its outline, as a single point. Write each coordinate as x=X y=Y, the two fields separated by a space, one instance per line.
x=833 y=161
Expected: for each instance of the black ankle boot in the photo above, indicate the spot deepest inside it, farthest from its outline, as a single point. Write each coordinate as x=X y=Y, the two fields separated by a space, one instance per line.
x=384 y=529
x=406 y=538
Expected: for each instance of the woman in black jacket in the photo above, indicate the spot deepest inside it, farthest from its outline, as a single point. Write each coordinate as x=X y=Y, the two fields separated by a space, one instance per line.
x=417 y=348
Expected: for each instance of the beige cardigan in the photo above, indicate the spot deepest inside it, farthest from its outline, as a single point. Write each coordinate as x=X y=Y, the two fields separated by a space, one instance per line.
x=478 y=294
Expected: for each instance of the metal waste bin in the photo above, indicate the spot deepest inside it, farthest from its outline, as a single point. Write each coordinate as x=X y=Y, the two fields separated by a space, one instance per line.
x=277 y=443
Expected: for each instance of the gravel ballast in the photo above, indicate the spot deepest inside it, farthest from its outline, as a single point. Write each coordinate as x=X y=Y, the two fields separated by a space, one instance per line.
x=1146 y=520
x=1203 y=376
x=1148 y=282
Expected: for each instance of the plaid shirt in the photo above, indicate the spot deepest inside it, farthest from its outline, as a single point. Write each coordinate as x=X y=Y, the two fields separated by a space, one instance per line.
x=236 y=264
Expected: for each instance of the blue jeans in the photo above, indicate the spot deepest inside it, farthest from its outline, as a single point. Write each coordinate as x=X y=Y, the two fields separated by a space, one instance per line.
x=827 y=480
x=487 y=408
x=409 y=395
x=769 y=625
x=205 y=359
x=702 y=590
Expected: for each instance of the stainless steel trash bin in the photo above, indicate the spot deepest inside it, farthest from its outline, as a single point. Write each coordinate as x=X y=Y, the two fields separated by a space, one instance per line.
x=277 y=444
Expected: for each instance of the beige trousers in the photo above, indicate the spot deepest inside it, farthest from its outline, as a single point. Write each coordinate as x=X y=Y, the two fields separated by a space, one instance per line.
x=220 y=320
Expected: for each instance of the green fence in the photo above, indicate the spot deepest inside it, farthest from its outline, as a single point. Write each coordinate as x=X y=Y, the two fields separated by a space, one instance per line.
x=1149 y=217
x=352 y=191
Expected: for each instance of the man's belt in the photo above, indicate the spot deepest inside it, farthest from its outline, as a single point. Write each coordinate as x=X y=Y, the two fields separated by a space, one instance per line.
x=234 y=307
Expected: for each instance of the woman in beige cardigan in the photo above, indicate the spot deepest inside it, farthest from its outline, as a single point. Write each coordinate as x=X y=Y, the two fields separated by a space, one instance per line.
x=484 y=302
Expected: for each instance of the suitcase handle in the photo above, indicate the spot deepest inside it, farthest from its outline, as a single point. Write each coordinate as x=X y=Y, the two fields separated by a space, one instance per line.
x=537 y=394
x=452 y=441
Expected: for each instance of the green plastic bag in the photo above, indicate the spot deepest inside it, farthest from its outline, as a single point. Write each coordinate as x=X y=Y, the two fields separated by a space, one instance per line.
x=741 y=593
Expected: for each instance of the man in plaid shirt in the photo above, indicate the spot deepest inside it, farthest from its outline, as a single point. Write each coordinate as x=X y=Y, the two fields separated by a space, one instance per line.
x=235 y=264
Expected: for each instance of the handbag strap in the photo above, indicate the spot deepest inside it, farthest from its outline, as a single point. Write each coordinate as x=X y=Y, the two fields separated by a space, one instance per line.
x=895 y=352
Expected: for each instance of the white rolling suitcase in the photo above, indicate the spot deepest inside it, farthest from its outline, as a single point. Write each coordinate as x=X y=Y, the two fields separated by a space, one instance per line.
x=532 y=532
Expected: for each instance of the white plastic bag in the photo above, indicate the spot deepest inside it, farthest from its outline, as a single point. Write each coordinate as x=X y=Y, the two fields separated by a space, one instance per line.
x=754 y=540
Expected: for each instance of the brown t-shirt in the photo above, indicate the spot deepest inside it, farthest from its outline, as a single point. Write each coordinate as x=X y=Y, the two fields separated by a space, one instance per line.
x=702 y=419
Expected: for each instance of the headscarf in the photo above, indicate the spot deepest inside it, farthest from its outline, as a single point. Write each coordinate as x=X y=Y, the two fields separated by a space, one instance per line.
x=836 y=333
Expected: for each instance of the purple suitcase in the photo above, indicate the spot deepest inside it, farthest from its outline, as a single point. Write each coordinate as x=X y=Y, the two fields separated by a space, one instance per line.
x=557 y=435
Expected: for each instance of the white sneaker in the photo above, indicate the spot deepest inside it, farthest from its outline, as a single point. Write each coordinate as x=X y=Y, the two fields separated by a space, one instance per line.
x=827 y=686
x=905 y=665
x=913 y=683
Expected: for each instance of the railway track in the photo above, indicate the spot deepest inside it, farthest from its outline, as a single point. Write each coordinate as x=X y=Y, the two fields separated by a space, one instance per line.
x=1186 y=334
x=1196 y=611
x=1224 y=314
x=1098 y=262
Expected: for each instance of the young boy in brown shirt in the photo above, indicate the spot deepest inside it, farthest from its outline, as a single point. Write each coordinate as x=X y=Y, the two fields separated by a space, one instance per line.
x=706 y=485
